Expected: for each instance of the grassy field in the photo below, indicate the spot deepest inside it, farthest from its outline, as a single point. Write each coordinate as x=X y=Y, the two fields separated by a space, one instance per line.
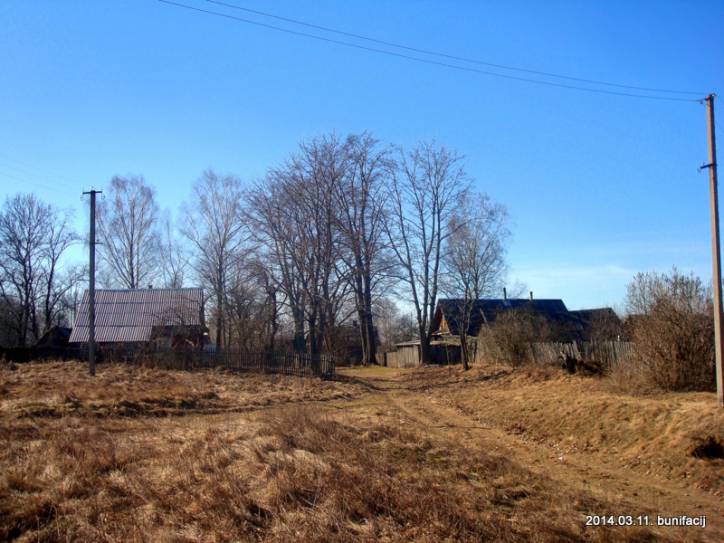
x=434 y=454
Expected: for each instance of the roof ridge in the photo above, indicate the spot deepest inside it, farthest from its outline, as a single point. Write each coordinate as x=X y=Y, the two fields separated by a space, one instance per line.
x=144 y=289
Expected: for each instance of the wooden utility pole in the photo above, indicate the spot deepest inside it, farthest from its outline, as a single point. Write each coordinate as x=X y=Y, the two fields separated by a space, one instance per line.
x=92 y=285
x=715 y=250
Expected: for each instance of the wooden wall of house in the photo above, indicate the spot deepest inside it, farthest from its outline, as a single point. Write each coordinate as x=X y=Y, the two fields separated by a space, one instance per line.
x=445 y=354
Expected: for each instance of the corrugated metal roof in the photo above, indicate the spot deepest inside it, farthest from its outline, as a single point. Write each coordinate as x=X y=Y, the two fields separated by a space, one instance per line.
x=128 y=315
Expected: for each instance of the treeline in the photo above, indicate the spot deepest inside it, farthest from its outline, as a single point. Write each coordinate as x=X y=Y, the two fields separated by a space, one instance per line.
x=36 y=290
x=337 y=236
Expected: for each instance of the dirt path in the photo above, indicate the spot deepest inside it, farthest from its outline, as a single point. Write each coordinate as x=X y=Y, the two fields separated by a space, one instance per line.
x=437 y=413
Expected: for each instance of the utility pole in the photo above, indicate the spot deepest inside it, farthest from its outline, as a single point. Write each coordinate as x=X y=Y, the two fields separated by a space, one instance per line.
x=92 y=285
x=715 y=250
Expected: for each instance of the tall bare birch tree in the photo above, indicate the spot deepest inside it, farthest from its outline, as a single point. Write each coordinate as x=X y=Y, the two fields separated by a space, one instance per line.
x=214 y=227
x=428 y=185
x=174 y=260
x=128 y=232
x=474 y=258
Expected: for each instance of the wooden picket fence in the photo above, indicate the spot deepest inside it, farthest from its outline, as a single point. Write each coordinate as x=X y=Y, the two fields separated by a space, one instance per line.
x=299 y=364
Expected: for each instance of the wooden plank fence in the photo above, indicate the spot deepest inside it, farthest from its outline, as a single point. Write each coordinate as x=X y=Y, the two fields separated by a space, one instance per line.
x=606 y=353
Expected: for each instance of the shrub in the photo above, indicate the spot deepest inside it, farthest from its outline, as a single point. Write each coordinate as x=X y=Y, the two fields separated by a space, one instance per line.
x=674 y=334
x=509 y=340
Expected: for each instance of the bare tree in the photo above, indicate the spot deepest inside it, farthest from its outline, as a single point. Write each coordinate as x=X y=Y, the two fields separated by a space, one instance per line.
x=33 y=238
x=428 y=185
x=475 y=258
x=278 y=246
x=393 y=324
x=252 y=307
x=57 y=283
x=242 y=304
x=269 y=313
x=294 y=215
x=10 y=311
x=127 y=227
x=214 y=227
x=174 y=259
x=360 y=196
x=646 y=289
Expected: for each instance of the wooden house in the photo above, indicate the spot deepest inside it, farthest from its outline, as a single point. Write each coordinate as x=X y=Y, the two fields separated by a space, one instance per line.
x=448 y=315
x=132 y=318
x=599 y=324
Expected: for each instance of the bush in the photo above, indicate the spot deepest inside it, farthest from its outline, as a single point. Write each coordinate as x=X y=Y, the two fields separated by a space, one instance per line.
x=509 y=340
x=674 y=335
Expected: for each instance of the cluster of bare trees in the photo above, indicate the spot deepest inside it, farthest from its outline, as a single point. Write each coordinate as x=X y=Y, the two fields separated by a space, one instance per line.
x=136 y=248
x=345 y=224
x=35 y=289
x=317 y=227
x=315 y=251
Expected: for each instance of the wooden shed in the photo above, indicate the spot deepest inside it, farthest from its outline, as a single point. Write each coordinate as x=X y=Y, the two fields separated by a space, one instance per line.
x=407 y=354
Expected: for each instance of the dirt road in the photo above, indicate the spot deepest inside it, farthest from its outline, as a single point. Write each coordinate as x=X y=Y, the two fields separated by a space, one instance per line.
x=435 y=408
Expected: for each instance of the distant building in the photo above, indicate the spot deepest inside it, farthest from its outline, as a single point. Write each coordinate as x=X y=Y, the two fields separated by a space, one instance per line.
x=449 y=313
x=167 y=318
x=600 y=324
x=564 y=325
x=347 y=342
x=552 y=315
x=55 y=337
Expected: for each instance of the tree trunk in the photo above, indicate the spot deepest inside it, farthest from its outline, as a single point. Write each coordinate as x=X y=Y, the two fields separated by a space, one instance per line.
x=312 y=343
x=299 y=343
x=464 y=352
x=425 y=351
x=369 y=327
x=219 y=323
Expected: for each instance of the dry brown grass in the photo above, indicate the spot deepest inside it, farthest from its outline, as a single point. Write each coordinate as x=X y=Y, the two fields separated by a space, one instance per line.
x=658 y=433
x=56 y=389
x=254 y=460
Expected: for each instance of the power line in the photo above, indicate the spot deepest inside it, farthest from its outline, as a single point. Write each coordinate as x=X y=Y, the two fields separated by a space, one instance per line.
x=27 y=168
x=25 y=181
x=422 y=60
x=449 y=56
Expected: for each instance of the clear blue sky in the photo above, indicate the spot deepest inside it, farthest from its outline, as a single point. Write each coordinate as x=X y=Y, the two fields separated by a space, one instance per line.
x=598 y=187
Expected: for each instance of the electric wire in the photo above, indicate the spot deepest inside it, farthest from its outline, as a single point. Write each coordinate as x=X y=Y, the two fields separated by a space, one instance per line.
x=447 y=55
x=422 y=60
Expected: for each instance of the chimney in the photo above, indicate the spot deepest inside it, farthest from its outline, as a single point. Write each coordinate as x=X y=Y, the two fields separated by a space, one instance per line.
x=505 y=293
x=531 y=295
